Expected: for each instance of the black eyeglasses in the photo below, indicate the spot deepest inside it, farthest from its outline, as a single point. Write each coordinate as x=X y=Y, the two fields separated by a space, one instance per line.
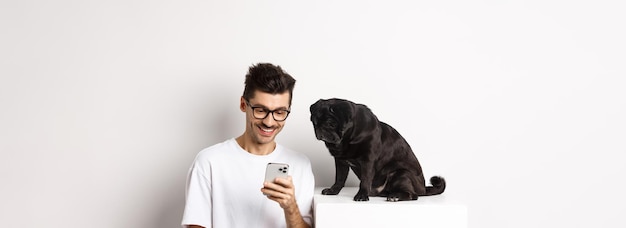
x=262 y=113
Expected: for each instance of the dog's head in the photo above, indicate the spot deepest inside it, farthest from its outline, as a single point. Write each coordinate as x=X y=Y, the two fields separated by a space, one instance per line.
x=331 y=119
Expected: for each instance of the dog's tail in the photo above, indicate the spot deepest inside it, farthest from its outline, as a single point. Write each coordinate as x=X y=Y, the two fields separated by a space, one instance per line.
x=438 y=186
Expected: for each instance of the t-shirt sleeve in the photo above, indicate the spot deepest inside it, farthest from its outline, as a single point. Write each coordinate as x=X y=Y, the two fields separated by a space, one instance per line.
x=305 y=198
x=198 y=197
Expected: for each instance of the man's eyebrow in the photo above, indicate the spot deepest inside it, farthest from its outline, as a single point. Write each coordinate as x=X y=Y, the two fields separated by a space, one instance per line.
x=265 y=107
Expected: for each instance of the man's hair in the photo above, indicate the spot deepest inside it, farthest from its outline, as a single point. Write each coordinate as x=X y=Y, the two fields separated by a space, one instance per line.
x=268 y=78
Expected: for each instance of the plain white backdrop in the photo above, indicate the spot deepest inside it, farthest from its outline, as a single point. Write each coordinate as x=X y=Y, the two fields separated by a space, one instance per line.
x=520 y=105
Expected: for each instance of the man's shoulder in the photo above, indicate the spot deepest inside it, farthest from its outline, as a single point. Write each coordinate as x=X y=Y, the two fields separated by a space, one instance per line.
x=294 y=155
x=215 y=149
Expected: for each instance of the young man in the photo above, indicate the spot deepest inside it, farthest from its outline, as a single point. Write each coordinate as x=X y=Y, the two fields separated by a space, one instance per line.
x=226 y=187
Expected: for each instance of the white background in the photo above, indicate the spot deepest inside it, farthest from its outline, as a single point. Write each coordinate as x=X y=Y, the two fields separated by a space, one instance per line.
x=520 y=105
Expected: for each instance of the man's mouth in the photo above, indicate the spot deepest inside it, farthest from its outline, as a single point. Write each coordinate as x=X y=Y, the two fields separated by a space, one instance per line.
x=266 y=131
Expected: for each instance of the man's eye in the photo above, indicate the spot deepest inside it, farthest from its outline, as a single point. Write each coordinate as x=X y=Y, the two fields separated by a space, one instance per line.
x=280 y=112
x=260 y=110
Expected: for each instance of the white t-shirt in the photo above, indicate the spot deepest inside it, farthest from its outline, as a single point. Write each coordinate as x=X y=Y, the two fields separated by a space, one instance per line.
x=224 y=187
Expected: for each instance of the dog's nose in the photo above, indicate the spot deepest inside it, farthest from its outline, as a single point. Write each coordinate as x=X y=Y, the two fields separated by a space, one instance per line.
x=318 y=135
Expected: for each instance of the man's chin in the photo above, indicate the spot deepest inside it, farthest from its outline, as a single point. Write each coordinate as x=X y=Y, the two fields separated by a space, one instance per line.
x=264 y=139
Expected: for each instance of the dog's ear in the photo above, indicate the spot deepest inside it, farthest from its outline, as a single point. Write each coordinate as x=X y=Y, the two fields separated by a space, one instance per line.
x=364 y=123
x=316 y=106
x=344 y=110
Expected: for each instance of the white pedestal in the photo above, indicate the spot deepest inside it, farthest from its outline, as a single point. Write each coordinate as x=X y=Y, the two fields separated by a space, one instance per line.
x=428 y=211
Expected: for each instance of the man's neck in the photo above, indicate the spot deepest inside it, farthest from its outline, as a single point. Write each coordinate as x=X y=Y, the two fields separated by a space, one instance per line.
x=255 y=148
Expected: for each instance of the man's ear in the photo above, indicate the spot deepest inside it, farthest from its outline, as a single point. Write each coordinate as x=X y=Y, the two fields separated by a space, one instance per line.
x=242 y=104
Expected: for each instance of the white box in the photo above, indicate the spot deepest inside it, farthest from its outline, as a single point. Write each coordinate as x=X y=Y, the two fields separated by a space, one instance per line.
x=428 y=211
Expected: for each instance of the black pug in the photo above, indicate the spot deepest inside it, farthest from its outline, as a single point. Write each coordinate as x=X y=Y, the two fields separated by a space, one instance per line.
x=378 y=155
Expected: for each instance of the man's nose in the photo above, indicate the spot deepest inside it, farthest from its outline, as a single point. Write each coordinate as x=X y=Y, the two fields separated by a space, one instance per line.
x=269 y=120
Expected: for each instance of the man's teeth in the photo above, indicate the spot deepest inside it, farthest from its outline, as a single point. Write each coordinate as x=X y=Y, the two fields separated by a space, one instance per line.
x=267 y=130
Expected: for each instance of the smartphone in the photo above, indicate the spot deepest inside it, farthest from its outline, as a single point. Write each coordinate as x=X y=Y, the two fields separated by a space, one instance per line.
x=274 y=170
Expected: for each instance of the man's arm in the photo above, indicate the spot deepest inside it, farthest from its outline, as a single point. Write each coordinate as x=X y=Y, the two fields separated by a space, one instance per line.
x=294 y=218
x=198 y=204
x=283 y=192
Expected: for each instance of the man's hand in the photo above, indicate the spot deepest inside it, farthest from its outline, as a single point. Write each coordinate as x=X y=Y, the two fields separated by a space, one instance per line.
x=283 y=192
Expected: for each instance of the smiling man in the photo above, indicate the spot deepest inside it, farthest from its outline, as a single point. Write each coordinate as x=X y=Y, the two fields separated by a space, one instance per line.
x=225 y=185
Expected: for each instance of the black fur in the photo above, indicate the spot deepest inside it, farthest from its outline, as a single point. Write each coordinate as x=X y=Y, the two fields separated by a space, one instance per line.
x=378 y=155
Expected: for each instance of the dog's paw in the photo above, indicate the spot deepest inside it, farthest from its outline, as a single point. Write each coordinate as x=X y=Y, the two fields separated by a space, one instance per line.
x=393 y=198
x=331 y=191
x=361 y=197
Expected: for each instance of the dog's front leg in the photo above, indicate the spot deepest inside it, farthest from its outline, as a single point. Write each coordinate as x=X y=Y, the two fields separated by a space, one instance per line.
x=367 y=174
x=341 y=174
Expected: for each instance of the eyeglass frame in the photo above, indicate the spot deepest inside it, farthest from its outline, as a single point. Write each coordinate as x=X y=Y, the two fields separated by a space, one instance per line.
x=267 y=112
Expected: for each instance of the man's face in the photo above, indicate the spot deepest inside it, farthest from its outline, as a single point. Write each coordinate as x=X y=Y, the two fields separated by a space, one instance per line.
x=264 y=130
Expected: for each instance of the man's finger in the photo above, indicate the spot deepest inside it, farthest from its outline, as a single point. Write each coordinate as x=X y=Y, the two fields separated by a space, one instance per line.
x=286 y=182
